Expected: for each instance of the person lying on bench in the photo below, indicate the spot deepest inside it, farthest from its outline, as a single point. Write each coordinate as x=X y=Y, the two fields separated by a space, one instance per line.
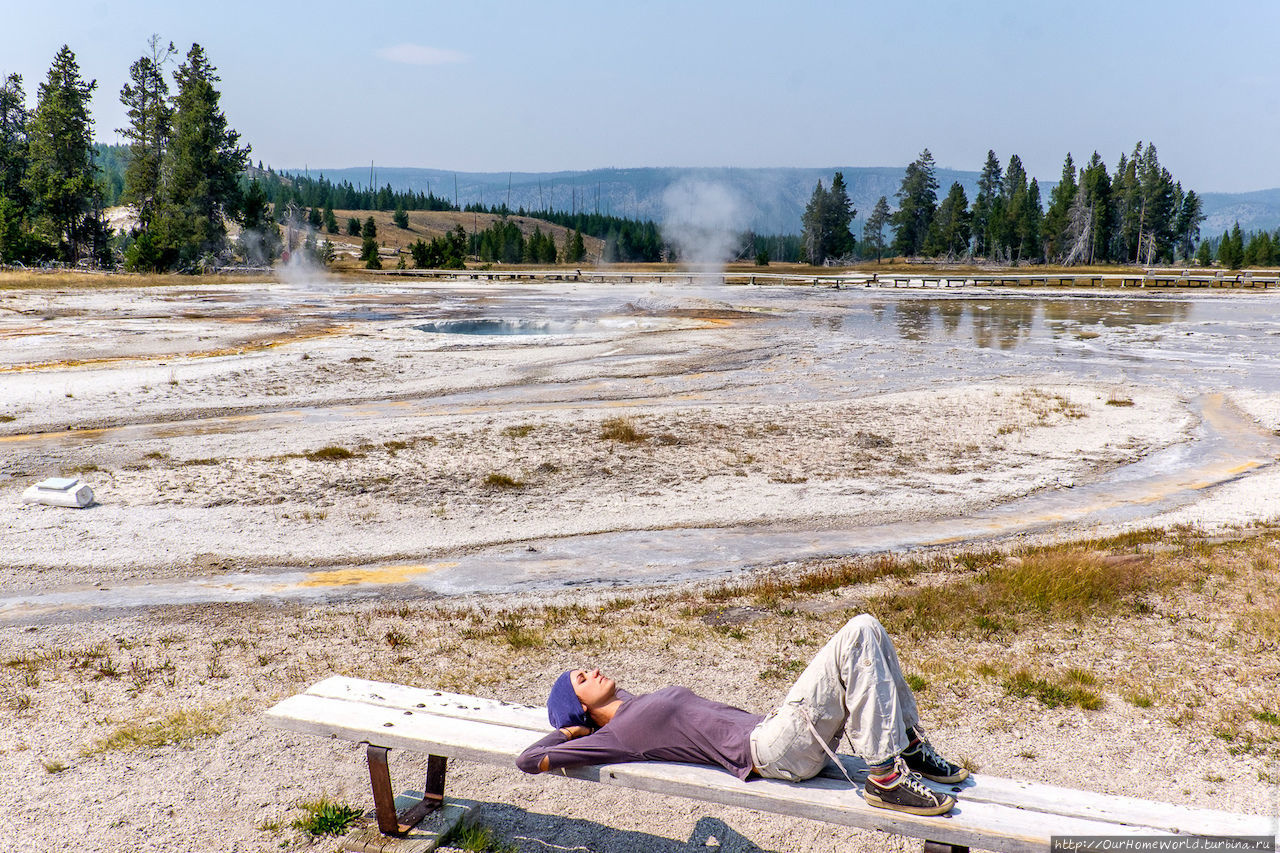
x=854 y=684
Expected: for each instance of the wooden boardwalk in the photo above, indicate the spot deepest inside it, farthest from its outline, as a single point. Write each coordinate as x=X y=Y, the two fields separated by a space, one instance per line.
x=1145 y=278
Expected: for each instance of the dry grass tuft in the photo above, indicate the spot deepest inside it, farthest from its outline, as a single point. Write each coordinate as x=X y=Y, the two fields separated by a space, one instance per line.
x=769 y=589
x=1063 y=585
x=621 y=429
x=178 y=727
x=498 y=480
x=328 y=454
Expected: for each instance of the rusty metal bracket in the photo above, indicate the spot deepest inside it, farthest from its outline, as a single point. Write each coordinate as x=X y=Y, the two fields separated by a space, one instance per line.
x=384 y=797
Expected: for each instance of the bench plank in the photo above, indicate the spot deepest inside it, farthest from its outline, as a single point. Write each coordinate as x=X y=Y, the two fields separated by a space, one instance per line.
x=1033 y=796
x=971 y=823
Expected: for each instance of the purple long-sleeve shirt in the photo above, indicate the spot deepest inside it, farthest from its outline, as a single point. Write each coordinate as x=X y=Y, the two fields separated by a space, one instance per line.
x=671 y=724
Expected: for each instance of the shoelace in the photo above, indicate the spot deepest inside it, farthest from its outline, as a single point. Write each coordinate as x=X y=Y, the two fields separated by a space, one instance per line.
x=931 y=755
x=911 y=781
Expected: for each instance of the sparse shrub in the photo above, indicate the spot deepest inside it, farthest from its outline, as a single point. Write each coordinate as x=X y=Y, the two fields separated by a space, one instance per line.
x=395 y=638
x=621 y=429
x=330 y=453
x=7 y=419
x=517 y=431
x=325 y=817
x=917 y=683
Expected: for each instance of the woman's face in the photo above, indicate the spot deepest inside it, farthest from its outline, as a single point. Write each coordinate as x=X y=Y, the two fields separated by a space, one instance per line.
x=592 y=687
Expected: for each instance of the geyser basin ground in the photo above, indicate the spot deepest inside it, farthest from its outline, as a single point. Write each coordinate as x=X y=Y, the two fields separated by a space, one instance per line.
x=810 y=415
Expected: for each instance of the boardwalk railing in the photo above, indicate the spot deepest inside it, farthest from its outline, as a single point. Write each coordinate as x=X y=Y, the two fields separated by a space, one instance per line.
x=1137 y=278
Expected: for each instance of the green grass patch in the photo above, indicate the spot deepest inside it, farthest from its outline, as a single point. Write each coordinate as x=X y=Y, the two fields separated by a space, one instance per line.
x=1054 y=694
x=1271 y=718
x=326 y=817
x=178 y=727
x=478 y=838
x=330 y=453
x=917 y=683
x=782 y=670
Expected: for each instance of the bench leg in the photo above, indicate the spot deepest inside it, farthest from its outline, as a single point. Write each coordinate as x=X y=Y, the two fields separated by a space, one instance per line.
x=384 y=797
x=940 y=847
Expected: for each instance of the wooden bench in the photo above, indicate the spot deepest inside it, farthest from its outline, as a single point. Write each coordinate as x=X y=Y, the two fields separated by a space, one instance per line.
x=991 y=813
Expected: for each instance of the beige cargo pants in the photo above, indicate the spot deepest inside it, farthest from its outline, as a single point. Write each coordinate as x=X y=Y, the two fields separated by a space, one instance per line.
x=853 y=685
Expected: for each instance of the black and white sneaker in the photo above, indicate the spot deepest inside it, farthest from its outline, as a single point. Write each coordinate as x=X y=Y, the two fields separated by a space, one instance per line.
x=924 y=759
x=906 y=793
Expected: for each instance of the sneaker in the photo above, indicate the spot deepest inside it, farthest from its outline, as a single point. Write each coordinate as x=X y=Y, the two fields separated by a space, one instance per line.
x=924 y=759
x=906 y=793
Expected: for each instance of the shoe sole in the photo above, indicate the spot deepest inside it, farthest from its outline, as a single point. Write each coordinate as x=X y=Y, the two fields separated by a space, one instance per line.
x=947 y=780
x=943 y=808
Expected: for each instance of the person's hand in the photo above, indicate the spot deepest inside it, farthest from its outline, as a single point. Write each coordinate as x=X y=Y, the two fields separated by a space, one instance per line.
x=572 y=732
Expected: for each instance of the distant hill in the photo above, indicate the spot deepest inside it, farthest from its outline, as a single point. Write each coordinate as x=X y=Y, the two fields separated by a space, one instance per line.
x=770 y=200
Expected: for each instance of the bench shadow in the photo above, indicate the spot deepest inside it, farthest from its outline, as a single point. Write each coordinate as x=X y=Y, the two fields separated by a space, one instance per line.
x=543 y=833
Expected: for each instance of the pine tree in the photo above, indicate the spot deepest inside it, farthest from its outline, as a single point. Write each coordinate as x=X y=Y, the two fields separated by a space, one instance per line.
x=400 y=218
x=917 y=202
x=146 y=102
x=1237 y=247
x=873 y=228
x=1061 y=198
x=1187 y=225
x=1126 y=191
x=1204 y=254
x=815 y=221
x=838 y=215
x=353 y=227
x=14 y=201
x=13 y=140
x=370 y=229
x=949 y=232
x=60 y=171
x=1157 y=208
x=330 y=221
x=988 y=190
x=1007 y=230
x=1031 y=225
x=203 y=164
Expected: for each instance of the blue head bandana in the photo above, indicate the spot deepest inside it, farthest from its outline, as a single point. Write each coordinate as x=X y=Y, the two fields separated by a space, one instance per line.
x=563 y=707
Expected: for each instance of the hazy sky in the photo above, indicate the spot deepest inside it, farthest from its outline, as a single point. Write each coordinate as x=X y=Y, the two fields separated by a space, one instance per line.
x=486 y=86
